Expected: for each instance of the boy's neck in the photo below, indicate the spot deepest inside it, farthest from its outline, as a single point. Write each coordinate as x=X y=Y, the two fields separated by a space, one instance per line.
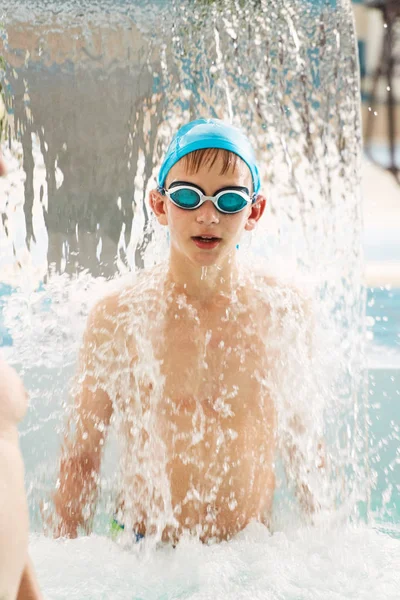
x=204 y=284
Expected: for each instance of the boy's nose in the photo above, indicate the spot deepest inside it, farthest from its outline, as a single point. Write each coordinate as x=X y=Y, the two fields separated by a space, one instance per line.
x=207 y=213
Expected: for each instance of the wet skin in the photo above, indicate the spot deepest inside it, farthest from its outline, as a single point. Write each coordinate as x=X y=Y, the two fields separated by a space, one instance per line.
x=214 y=414
x=16 y=572
x=17 y=578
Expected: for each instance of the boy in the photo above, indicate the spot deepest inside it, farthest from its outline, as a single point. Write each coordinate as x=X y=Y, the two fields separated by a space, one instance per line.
x=186 y=359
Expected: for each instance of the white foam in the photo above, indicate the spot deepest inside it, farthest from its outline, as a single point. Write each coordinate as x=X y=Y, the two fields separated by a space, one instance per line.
x=307 y=564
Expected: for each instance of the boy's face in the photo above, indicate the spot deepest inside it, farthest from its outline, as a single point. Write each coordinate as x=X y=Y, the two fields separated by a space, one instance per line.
x=186 y=225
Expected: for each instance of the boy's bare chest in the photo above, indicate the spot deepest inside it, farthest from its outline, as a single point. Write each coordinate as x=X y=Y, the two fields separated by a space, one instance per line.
x=213 y=360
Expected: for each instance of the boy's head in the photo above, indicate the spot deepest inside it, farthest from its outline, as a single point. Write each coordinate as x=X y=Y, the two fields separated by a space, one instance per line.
x=208 y=187
x=209 y=133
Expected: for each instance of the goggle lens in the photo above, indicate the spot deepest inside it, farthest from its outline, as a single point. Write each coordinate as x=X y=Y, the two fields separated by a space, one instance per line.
x=229 y=202
x=186 y=198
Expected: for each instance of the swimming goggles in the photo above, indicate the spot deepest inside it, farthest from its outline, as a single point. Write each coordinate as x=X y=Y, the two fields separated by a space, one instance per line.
x=228 y=200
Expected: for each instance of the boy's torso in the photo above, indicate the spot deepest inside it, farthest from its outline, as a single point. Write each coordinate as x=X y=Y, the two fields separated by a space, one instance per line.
x=213 y=412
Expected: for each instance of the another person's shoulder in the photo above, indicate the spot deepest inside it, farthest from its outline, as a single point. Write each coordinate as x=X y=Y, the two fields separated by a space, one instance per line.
x=13 y=398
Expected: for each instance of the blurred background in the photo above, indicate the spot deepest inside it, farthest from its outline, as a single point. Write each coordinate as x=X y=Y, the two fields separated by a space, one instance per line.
x=378 y=31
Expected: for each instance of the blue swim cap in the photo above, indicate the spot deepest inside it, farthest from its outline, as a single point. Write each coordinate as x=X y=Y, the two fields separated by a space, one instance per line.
x=209 y=133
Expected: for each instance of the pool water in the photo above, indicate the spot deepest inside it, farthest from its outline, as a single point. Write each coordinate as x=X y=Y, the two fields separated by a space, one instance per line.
x=383 y=321
x=331 y=561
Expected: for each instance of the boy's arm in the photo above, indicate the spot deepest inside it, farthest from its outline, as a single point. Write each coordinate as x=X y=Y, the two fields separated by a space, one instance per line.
x=81 y=453
x=302 y=446
x=300 y=469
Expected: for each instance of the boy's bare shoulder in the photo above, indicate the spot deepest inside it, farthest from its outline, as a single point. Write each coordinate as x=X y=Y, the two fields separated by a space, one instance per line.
x=116 y=308
x=288 y=293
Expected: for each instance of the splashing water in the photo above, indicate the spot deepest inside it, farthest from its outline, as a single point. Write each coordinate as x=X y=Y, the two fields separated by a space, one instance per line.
x=77 y=226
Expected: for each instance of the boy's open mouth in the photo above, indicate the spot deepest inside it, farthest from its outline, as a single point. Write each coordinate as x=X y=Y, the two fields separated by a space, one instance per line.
x=206 y=241
x=206 y=238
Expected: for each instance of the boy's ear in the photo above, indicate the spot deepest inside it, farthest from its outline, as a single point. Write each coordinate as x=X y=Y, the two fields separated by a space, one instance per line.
x=257 y=209
x=157 y=203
